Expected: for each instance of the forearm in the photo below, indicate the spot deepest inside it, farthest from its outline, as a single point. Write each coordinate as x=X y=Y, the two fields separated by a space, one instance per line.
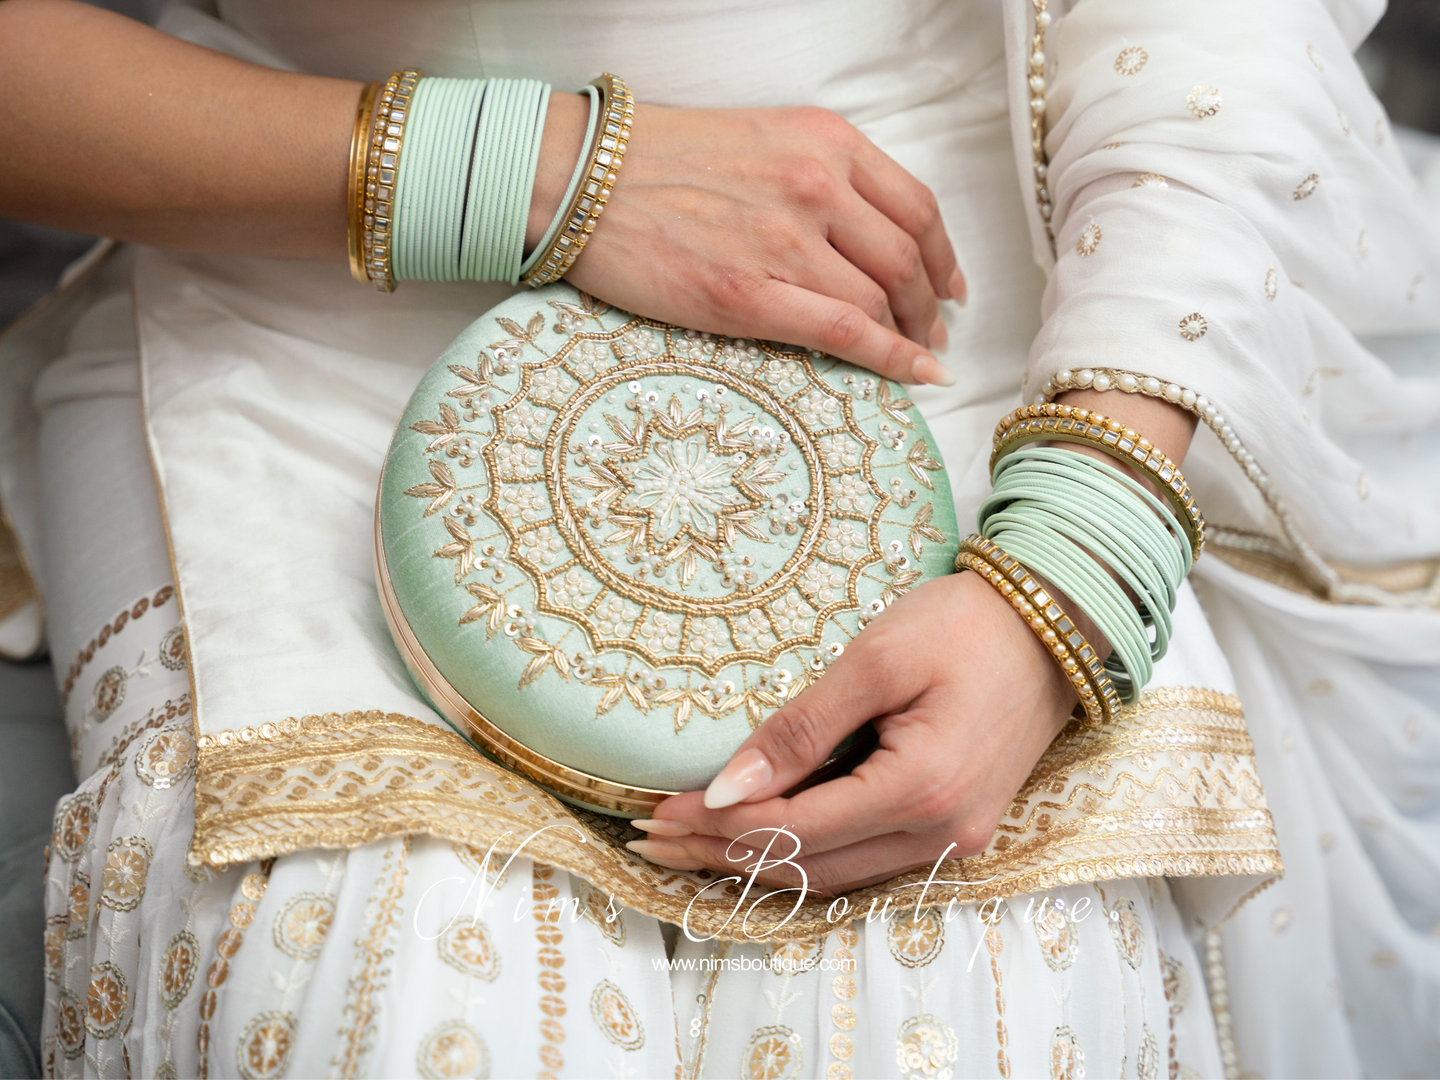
x=118 y=130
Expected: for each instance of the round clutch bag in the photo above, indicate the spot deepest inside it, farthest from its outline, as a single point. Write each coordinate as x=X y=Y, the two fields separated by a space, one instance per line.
x=609 y=548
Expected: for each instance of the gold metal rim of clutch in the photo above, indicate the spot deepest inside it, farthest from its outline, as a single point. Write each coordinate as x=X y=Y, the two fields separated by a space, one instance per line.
x=622 y=799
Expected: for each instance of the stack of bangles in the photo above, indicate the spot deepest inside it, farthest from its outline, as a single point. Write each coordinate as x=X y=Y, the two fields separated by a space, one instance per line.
x=442 y=172
x=1116 y=550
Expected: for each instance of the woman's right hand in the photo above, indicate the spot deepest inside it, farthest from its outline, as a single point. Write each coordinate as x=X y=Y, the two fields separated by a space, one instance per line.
x=783 y=224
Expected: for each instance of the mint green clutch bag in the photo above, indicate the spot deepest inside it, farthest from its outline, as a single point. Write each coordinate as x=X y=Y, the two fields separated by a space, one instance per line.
x=609 y=548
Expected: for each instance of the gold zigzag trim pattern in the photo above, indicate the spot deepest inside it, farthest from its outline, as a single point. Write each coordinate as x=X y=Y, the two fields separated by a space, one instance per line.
x=1169 y=788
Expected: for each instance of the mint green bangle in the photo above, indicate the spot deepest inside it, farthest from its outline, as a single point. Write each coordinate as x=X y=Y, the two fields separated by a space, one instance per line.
x=1089 y=588
x=1104 y=516
x=1064 y=515
x=520 y=182
x=430 y=194
x=485 y=173
x=464 y=184
x=516 y=249
x=1154 y=548
x=555 y=222
x=502 y=179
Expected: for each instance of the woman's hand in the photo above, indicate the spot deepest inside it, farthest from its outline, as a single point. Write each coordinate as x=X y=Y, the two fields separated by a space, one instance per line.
x=784 y=224
x=965 y=700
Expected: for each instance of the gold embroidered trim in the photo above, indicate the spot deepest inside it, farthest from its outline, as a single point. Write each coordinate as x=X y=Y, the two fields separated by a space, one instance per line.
x=1170 y=788
x=1271 y=559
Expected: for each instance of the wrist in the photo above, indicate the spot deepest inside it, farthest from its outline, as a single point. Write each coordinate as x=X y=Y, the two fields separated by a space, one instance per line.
x=560 y=147
x=1050 y=689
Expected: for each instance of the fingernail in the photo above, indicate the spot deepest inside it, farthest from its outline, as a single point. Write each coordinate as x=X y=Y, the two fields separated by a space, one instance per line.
x=939 y=336
x=664 y=853
x=659 y=827
x=957 y=287
x=747 y=773
x=927 y=370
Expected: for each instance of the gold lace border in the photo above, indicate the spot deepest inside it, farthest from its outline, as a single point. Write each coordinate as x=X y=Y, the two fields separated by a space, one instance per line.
x=1168 y=789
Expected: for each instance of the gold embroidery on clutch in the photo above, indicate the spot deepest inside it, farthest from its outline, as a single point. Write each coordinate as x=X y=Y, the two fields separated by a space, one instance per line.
x=623 y=506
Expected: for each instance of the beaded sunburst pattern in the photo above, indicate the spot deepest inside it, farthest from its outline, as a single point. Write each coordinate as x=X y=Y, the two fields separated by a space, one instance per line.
x=673 y=520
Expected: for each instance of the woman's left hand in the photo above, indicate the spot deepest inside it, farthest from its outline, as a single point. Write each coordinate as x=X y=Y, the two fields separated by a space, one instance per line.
x=964 y=698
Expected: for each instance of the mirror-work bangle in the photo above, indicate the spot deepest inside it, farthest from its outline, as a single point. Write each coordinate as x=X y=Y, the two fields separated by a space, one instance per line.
x=605 y=157
x=1062 y=423
x=355 y=210
x=1056 y=631
x=382 y=163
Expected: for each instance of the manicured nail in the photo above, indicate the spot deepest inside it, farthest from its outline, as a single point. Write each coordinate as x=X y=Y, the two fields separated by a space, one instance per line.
x=664 y=853
x=927 y=370
x=939 y=336
x=747 y=773
x=957 y=287
x=659 y=827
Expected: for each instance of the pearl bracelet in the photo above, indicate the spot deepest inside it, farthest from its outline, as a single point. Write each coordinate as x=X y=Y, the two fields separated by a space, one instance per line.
x=1056 y=631
x=1062 y=423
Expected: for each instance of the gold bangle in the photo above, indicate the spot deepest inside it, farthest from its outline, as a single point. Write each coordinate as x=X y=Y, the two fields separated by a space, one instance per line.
x=612 y=138
x=382 y=166
x=1056 y=631
x=1062 y=423
x=355 y=209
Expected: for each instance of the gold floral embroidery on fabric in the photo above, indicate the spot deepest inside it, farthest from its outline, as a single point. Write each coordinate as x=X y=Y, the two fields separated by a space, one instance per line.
x=916 y=940
x=452 y=1049
x=1168 y=789
x=1128 y=931
x=106 y=1001
x=75 y=817
x=301 y=925
x=111 y=629
x=1204 y=101
x=1131 y=60
x=178 y=965
x=55 y=948
x=174 y=653
x=926 y=1049
x=167 y=757
x=773 y=1053
x=77 y=912
x=70 y=1025
x=109 y=692
x=127 y=865
x=1067 y=1058
x=614 y=1016
x=266 y=1045
x=1058 y=933
x=704 y=511
x=1147 y=1056
x=469 y=948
